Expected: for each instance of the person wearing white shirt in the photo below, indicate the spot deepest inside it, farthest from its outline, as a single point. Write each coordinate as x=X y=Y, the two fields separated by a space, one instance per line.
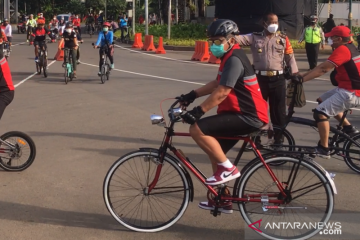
x=8 y=31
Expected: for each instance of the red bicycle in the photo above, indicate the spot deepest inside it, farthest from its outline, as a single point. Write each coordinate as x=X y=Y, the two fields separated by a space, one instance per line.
x=149 y=190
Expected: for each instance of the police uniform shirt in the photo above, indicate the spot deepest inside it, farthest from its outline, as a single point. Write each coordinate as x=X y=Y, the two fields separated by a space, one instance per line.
x=69 y=39
x=269 y=52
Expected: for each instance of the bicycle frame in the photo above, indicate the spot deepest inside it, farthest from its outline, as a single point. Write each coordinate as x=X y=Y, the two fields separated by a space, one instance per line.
x=69 y=62
x=166 y=144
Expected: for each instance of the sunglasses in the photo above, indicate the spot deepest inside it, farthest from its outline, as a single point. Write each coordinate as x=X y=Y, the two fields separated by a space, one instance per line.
x=217 y=42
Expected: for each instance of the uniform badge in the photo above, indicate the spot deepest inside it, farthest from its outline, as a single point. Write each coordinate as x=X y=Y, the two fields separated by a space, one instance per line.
x=278 y=41
x=259 y=50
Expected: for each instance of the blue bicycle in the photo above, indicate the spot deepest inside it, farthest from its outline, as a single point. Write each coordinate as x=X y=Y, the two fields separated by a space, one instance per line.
x=69 y=67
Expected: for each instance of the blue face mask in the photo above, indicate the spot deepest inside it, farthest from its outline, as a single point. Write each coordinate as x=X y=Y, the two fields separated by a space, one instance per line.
x=217 y=51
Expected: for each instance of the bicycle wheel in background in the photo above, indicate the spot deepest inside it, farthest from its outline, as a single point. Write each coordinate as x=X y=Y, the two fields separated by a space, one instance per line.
x=351 y=153
x=126 y=196
x=17 y=151
x=309 y=198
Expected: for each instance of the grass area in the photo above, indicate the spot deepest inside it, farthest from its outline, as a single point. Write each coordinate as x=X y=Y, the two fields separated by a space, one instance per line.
x=190 y=42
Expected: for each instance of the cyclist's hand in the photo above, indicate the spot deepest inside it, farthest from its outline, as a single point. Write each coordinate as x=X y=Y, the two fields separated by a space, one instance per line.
x=95 y=46
x=297 y=78
x=192 y=116
x=187 y=99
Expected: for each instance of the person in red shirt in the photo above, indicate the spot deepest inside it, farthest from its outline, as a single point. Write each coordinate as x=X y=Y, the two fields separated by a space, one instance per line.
x=241 y=107
x=346 y=76
x=76 y=22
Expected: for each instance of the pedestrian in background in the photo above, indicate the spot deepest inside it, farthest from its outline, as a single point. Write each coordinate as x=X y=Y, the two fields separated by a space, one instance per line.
x=313 y=36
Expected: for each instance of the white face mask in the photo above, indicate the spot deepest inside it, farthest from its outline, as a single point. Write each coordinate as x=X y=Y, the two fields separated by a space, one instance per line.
x=272 y=28
x=68 y=30
x=330 y=42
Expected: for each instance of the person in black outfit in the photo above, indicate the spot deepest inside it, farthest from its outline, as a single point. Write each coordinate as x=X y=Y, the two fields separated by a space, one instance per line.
x=70 y=39
x=330 y=24
x=79 y=38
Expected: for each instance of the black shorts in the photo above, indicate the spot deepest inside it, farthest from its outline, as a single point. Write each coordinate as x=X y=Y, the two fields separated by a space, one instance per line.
x=225 y=125
x=9 y=38
x=5 y=99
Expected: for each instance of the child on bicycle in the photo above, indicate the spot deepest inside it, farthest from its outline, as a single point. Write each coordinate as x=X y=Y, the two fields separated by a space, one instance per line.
x=70 y=42
x=241 y=107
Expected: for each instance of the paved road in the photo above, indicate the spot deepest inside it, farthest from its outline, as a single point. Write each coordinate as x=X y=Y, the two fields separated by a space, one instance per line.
x=81 y=128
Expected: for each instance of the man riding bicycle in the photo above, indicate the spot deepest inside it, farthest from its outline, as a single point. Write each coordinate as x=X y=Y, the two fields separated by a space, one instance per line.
x=90 y=22
x=8 y=31
x=69 y=37
x=31 y=23
x=54 y=24
x=39 y=37
x=62 y=24
x=123 y=26
x=3 y=39
x=241 y=107
x=346 y=60
x=76 y=22
x=105 y=37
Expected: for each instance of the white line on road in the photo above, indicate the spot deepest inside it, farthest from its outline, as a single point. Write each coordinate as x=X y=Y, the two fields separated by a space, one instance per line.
x=18 y=44
x=24 y=80
x=146 y=75
x=175 y=80
x=191 y=62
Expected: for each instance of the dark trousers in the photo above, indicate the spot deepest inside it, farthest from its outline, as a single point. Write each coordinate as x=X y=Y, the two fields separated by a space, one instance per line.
x=312 y=52
x=5 y=99
x=73 y=56
x=273 y=89
x=123 y=29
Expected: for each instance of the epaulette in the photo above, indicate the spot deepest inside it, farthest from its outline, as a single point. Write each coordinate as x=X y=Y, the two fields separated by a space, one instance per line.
x=281 y=34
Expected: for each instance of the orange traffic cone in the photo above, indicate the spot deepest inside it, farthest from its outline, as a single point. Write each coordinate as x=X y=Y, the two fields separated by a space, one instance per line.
x=60 y=53
x=160 y=49
x=138 y=41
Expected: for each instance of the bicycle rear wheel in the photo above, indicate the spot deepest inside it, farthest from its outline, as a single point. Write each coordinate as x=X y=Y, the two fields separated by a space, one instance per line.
x=18 y=151
x=126 y=197
x=256 y=183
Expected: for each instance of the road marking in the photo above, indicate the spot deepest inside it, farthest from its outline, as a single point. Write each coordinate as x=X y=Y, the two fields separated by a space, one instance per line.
x=175 y=80
x=24 y=80
x=18 y=44
x=172 y=59
x=191 y=62
x=146 y=75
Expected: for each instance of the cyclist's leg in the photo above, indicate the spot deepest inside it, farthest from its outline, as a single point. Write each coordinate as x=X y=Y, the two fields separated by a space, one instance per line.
x=227 y=125
x=5 y=99
x=122 y=33
x=110 y=55
x=78 y=54
x=36 y=46
x=73 y=55
x=101 y=61
x=10 y=40
x=66 y=55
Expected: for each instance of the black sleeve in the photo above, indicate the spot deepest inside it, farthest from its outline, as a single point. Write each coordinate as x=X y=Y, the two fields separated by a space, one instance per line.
x=232 y=71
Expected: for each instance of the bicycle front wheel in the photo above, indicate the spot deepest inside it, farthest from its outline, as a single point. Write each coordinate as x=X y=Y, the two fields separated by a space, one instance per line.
x=17 y=151
x=103 y=74
x=126 y=194
x=309 y=199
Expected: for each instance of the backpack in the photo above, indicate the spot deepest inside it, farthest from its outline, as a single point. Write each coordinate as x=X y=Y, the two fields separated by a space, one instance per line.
x=298 y=90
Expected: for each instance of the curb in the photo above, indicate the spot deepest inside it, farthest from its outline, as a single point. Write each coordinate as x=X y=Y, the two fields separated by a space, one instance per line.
x=246 y=49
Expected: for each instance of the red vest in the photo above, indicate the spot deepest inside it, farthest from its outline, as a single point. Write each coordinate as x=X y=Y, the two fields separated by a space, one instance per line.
x=245 y=98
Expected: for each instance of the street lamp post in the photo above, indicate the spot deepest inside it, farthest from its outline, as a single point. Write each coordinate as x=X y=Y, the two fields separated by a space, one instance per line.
x=350 y=13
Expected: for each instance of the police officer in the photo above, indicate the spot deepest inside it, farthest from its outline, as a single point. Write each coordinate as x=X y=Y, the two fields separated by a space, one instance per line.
x=313 y=36
x=270 y=50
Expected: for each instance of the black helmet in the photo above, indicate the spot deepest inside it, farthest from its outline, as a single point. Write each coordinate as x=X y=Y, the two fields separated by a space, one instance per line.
x=69 y=25
x=222 y=27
